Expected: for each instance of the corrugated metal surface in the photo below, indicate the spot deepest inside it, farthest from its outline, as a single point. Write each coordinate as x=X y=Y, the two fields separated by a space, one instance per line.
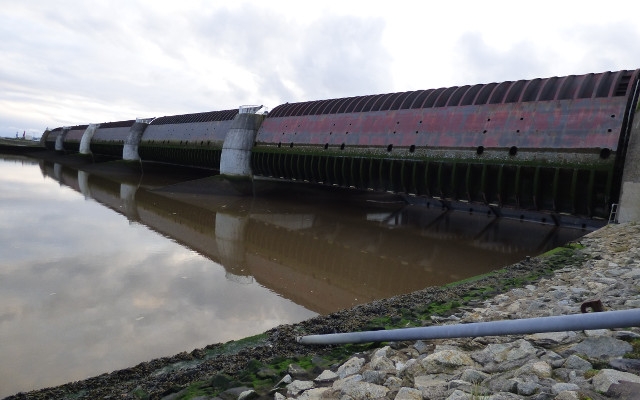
x=189 y=139
x=554 y=145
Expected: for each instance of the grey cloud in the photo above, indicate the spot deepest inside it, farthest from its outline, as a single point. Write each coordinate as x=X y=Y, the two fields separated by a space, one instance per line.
x=330 y=57
x=594 y=49
x=97 y=56
x=344 y=57
x=481 y=63
x=604 y=44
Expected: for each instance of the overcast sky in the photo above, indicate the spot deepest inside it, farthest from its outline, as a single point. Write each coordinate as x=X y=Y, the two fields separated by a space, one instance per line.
x=77 y=62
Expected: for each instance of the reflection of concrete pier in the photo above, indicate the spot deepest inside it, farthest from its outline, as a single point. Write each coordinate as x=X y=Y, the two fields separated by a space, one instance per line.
x=323 y=258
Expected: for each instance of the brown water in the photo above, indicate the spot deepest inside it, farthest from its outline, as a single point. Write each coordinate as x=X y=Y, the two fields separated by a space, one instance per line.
x=103 y=267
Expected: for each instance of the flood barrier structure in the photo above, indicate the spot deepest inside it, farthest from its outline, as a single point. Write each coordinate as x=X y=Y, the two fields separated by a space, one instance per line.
x=553 y=145
x=549 y=149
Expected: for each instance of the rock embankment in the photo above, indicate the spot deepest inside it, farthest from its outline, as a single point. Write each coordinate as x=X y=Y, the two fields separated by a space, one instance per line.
x=559 y=365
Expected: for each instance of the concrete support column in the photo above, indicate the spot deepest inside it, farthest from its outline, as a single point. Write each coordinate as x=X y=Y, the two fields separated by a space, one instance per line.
x=131 y=143
x=85 y=142
x=235 y=161
x=60 y=139
x=629 y=207
x=43 y=138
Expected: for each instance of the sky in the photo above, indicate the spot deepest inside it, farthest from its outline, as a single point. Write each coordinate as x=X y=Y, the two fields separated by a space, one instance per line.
x=69 y=62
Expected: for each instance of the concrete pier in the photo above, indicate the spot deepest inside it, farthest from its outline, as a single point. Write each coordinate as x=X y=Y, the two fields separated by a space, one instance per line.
x=85 y=142
x=131 y=143
x=235 y=161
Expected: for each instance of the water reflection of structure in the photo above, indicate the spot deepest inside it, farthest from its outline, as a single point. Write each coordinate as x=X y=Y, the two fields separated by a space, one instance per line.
x=323 y=258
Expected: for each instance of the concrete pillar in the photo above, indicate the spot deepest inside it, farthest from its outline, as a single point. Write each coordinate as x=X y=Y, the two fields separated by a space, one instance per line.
x=235 y=161
x=60 y=139
x=629 y=206
x=85 y=142
x=131 y=143
x=43 y=138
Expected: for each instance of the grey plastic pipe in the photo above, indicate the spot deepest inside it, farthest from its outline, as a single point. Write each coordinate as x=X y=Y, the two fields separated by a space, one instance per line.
x=560 y=323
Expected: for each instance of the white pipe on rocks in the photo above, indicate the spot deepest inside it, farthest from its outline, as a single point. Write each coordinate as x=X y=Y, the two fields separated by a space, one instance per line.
x=560 y=323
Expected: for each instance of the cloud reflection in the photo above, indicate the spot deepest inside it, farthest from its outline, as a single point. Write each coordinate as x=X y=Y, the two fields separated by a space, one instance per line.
x=83 y=291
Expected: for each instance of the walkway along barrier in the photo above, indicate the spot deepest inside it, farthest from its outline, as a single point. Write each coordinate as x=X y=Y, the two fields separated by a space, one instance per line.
x=560 y=323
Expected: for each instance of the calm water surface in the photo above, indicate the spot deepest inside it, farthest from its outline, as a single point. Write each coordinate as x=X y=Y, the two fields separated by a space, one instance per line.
x=102 y=268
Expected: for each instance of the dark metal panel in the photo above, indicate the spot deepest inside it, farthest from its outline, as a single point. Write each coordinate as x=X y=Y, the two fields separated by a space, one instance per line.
x=317 y=105
x=118 y=124
x=107 y=135
x=498 y=93
x=366 y=105
x=417 y=103
x=603 y=87
x=308 y=107
x=356 y=103
x=397 y=102
x=380 y=102
x=340 y=105
x=456 y=96
x=568 y=87
x=409 y=98
x=531 y=90
x=75 y=134
x=389 y=101
x=329 y=104
x=443 y=98
x=431 y=98
x=470 y=95
x=190 y=118
x=548 y=89
x=515 y=92
x=483 y=95
x=297 y=109
x=587 y=87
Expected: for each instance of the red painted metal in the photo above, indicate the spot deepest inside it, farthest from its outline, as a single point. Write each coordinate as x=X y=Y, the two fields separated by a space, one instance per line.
x=466 y=143
x=575 y=124
x=572 y=113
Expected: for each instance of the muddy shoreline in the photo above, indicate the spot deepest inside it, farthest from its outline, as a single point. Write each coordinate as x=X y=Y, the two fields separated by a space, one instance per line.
x=163 y=377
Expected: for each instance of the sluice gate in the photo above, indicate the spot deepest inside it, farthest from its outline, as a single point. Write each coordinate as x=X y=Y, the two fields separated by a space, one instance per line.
x=189 y=139
x=549 y=149
x=554 y=145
